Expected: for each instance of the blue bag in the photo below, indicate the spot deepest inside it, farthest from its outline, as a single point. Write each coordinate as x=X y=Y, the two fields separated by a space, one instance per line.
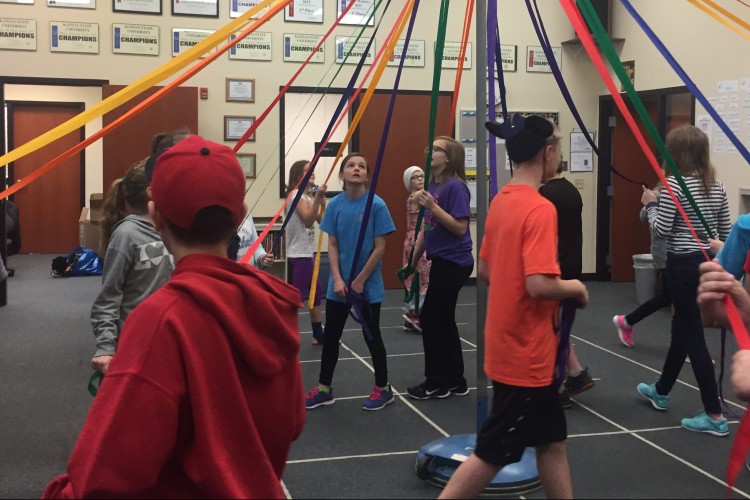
x=80 y=262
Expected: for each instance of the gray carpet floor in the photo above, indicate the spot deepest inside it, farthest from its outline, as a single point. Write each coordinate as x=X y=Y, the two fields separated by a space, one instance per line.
x=618 y=446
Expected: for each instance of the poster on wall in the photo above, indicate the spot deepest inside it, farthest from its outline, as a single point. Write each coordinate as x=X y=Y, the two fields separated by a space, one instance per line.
x=350 y=53
x=304 y=11
x=254 y=47
x=414 y=57
x=536 y=60
x=298 y=46
x=74 y=37
x=137 y=6
x=360 y=13
x=202 y=8
x=508 y=56
x=27 y=2
x=17 y=34
x=75 y=4
x=185 y=38
x=239 y=7
x=139 y=39
x=452 y=51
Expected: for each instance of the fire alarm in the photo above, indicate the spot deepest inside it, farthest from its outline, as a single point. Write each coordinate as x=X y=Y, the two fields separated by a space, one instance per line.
x=204 y=93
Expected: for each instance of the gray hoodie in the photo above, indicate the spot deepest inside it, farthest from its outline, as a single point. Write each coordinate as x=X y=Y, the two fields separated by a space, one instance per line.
x=136 y=264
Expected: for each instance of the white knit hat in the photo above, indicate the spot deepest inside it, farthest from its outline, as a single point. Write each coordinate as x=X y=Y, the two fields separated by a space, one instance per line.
x=407 y=176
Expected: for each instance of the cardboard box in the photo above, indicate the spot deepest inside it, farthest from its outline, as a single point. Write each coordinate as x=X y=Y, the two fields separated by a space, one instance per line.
x=89 y=232
x=96 y=200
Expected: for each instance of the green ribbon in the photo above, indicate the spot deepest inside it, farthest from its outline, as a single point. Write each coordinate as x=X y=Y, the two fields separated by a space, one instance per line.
x=600 y=34
x=404 y=272
x=95 y=382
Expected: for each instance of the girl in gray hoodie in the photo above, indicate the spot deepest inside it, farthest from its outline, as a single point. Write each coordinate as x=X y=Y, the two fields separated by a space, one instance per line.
x=136 y=262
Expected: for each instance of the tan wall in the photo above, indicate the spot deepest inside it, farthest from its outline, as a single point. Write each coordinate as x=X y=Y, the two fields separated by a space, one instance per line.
x=708 y=51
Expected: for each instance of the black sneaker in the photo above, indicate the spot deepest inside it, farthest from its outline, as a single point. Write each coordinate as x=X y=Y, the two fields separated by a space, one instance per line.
x=461 y=389
x=565 y=402
x=580 y=383
x=423 y=391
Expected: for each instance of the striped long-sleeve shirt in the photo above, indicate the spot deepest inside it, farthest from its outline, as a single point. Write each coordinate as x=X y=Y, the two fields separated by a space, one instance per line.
x=666 y=221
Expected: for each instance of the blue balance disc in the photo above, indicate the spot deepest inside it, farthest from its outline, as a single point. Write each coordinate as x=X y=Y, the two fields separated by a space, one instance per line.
x=438 y=460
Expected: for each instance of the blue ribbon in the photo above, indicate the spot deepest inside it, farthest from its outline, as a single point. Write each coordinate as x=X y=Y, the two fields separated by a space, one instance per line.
x=342 y=103
x=356 y=298
x=688 y=82
x=541 y=33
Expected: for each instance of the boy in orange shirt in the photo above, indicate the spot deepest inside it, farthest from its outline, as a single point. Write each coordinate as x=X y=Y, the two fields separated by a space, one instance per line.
x=520 y=251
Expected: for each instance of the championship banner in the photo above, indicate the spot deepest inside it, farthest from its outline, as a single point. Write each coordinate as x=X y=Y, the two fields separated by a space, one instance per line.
x=185 y=38
x=414 y=57
x=347 y=51
x=17 y=34
x=239 y=7
x=74 y=37
x=255 y=47
x=298 y=46
x=451 y=53
x=140 y=39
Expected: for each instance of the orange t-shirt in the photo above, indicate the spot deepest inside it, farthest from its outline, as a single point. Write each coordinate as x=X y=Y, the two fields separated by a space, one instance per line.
x=520 y=240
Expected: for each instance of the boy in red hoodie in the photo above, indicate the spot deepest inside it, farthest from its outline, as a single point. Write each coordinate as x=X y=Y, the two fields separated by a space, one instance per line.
x=204 y=396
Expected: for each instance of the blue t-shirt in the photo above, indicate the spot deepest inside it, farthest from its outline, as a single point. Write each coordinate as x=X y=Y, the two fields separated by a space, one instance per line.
x=453 y=196
x=343 y=220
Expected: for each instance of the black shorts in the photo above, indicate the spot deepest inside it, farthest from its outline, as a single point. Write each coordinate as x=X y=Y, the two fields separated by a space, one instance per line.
x=520 y=417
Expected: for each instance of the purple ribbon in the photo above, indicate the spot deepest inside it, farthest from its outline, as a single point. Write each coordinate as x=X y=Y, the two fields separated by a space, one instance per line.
x=567 y=317
x=355 y=298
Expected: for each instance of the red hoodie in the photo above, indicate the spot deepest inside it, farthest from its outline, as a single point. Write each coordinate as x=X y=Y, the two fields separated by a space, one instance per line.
x=204 y=396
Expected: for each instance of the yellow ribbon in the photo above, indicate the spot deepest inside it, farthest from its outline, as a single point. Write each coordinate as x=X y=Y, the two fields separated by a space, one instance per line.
x=136 y=88
x=402 y=21
x=722 y=20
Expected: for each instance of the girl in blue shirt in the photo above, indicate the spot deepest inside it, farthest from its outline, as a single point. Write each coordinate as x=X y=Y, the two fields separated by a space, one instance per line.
x=342 y=221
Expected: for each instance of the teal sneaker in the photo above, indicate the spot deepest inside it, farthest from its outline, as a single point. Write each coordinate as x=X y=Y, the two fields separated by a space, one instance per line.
x=703 y=423
x=658 y=401
x=379 y=399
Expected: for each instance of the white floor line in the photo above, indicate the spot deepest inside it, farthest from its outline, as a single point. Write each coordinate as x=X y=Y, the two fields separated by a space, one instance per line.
x=645 y=366
x=403 y=397
x=286 y=491
x=659 y=448
x=389 y=355
x=349 y=457
x=398 y=327
x=304 y=311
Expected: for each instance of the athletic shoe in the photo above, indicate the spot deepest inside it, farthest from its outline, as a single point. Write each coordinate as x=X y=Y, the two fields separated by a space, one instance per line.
x=658 y=401
x=461 y=389
x=580 y=383
x=379 y=399
x=624 y=331
x=408 y=327
x=687 y=360
x=316 y=398
x=747 y=465
x=703 y=423
x=565 y=401
x=413 y=320
x=423 y=391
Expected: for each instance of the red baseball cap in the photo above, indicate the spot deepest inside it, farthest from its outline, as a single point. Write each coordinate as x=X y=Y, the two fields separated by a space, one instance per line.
x=194 y=174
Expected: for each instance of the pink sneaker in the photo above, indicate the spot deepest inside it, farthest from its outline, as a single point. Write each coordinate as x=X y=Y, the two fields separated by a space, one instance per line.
x=624 y=331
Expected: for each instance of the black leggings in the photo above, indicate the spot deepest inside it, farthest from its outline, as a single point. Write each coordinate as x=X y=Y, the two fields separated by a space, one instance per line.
x=687 y=332
x=660 y=300
x=443 y=356
x=336 y=315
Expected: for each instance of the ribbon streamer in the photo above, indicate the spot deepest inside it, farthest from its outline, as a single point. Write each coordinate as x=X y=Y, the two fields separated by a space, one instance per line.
x=719 y=18
x=462 y=53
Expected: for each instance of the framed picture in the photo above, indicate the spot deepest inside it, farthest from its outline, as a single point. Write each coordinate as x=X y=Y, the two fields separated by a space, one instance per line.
x=76 y=4
x=202 y=8
x=304 y=11
x=358 y=14
x=236 y=126
x=240 y=90
x=508 y=56
x=247 y=162
x=536 y=60
x=137 y=6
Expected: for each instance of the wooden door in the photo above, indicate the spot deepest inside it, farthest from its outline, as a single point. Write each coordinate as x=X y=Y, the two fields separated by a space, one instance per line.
x=629 y=236
x=131 y=142
x=405 y=147
x=49 y=207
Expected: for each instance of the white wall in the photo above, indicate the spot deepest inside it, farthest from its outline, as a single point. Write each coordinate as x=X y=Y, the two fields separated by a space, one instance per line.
x=708 y=51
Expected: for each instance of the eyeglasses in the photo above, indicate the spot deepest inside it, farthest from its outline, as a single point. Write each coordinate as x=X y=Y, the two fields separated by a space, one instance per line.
x=434 y=149
x=417 y=177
